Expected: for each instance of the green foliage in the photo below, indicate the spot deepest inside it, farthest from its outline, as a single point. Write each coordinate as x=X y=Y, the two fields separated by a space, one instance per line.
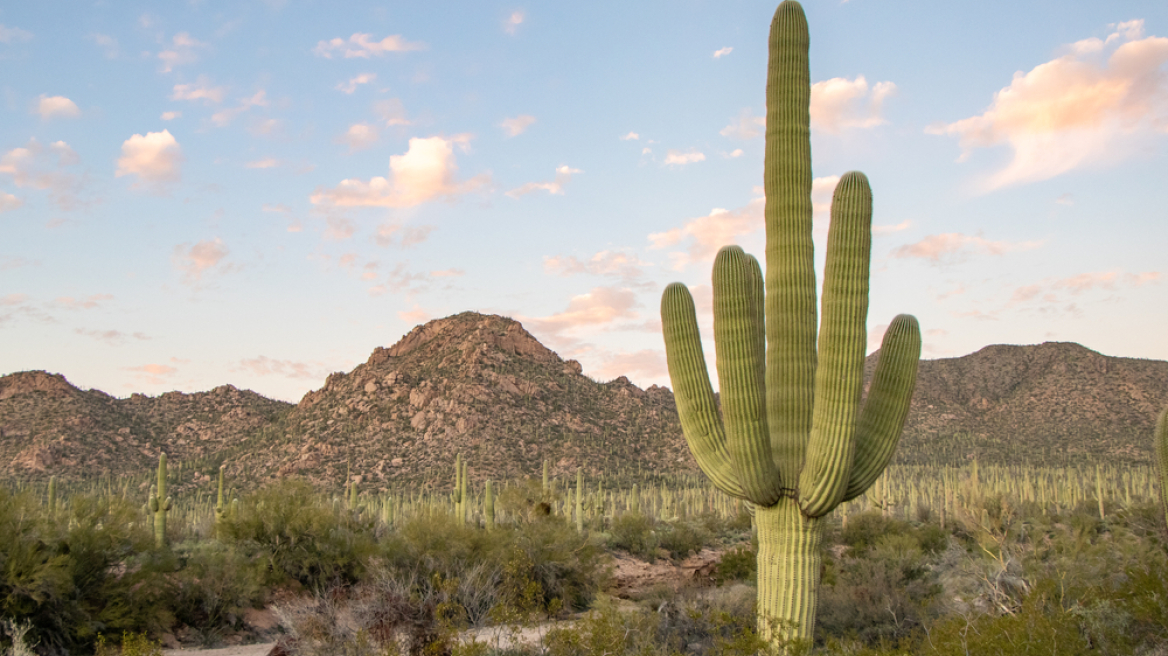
x=132 y=644
x=738 y=564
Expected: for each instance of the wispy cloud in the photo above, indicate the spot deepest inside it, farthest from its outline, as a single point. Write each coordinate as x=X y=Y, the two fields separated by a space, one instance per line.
x=14 y=34
x=155 y=373
x=111 y=337
x=224 y=117
x=359 y=136
x=393 y=233
x=391 y=111
x=363 y=46
x=556 y=186
x=619 y=264
x=201 y=258
x=511 y=25
x=107 y=43
x=953 y=247
x=631 y=136
x=748 y=126
x=264 y=366
x=87 y=303
x=183 y=50
x=678 y=158
x=1095 y=106
x=516 y=126
x=427 y=171
x=354 y=82
x=1051 y=290
x=722 y=52
x=9 y=202
x=42 y=167
x=200 y=89
x=599 y=307
x=265 y=163
x=170 y=116
x=706 y=234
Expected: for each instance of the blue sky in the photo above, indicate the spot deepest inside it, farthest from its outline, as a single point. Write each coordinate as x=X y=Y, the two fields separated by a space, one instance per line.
x=259 y=193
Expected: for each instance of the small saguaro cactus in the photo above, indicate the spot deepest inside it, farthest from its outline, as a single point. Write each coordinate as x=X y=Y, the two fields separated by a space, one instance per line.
x=792 y=437
x=459 y=495
x=579 y=500
x=53 y=497
x=489 y=507
x=1161 y=446
x=220 y=504
x=160 y=504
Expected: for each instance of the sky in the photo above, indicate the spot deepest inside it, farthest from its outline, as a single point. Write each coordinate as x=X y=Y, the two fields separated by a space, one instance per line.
x=260 y=193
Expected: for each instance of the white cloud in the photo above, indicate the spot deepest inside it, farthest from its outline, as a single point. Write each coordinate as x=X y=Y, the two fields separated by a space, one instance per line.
x=154 y=374
x=363 y=46
x=631 y=136
x=599 y=307
x=155 y=158
x=391 y=111
x=889 y=229
x=359 y=136
x=955 y=247
x=392 y=233
x=200 y=258
x=56 y=106
x=839 y=103
x=1086 y=109
x=678 y=158
x=722 y=52
x=170 y=116
x=353 y=83
x=515 y=126
x=184 y=50
x=737 y=152
x=747 y=127
x=225 y=116
x=8 y=202
x=556 y=186
x=107 y=43
x=514 y=21
x=40 y=167
x=706 y=234
x=200 y=89
x=13 y=34
x=639 y=365
x=265 y=163
x=425 y=172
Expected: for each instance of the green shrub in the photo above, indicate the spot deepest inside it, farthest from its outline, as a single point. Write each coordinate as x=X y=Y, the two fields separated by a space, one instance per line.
x=636 y=534
x=739 y=564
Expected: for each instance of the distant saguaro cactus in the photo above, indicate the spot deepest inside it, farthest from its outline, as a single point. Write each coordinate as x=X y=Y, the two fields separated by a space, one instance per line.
x=792 y=437
x=220 y=505
x=1161 y=446
x=160 y=504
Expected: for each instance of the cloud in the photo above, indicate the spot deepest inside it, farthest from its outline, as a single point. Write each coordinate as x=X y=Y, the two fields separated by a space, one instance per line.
x=396 y=234
x=154 y=374
x=70 y=303
x=747 y=127
x=13 y=34
x=618 y=264
x=1065 y=199
x=707 y=234
x=631 y=136
x=425 y=172
x=416 y=315
x=555 y=187
x=339 y=228
x=363 y=46
x=722 y=52
x=200 y=258
x=678 y=158
x=516 y=126
x=155 y=158
x=1086 y=109
x=56 y=107
x=170 y=116
x=111 y=337
x=1049 y=290
x=514 y=21
x=599 y=307
x=225 y=116
x=391 y=111
x=8 y=202
x=41 y=167
x=838 y=104
x=184 y=50
x=822 y=190
x=401 y=280
x=200 y=89
x=353 y=83
x=955 y=247
x=266 y=163
x=644 y=364
x=107 y=43
x=359 y=136
x=448 y=273
x=737 y=152
x=265 y=366
x=889 y=229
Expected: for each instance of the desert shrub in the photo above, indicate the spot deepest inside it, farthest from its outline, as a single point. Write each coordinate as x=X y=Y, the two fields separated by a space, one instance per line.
x=212 y=587
x=132 y=644
x=739 y=564
x=298 y=537
x=636 y=534
x=681 y=537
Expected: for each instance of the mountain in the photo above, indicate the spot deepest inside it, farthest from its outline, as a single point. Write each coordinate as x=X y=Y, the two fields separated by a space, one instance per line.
x=482 y=386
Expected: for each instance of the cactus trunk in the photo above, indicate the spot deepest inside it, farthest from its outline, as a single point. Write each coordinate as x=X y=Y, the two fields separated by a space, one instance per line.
x=789 y=562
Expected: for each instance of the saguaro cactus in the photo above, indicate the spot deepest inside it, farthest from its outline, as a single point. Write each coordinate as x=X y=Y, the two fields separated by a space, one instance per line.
x=1161 y=446
x=160 y=504
x=793 y=439
x=220 y=505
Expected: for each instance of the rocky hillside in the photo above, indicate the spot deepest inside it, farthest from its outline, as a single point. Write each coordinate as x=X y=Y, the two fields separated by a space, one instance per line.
x=482 y=386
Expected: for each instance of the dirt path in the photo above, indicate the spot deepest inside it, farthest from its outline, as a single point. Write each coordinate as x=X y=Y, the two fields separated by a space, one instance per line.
x=260 y=649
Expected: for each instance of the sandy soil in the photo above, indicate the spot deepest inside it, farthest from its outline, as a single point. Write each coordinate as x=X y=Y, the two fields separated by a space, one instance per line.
x=260 y=649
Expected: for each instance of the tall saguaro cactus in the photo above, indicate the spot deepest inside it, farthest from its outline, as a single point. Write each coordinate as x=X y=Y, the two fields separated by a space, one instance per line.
x=793 y=438
x=160 y=504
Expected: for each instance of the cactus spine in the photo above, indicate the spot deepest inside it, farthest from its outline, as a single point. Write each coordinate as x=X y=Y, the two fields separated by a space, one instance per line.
x=1161 y=447
x=160 y=504
x=794 y=440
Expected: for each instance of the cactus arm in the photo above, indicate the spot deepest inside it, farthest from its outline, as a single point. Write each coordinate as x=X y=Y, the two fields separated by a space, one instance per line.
x=889 y=397
x=790 y=261
x=839 y=379
x=693 y=393
x=1161 y=447
x=739 y=338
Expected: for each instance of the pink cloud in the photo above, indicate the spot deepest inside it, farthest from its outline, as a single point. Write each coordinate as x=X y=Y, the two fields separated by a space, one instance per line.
x=1084 y=109
x=56 y=107
x=351 y=86
x=706 y=234
x=425 y=172
x=87 y=303
x=200 y=89
x=516 y=126
x=265 y=366
x=42 y=167
x=601 y=306
x=554 y=187
x=359 y=136
x=392 y=233
x=954 y=246
x=200 y=258
x=363 y=46
x=111 y=337
x=184 y=50
x=155 y=158
x=625 y=265
x=838 y=104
